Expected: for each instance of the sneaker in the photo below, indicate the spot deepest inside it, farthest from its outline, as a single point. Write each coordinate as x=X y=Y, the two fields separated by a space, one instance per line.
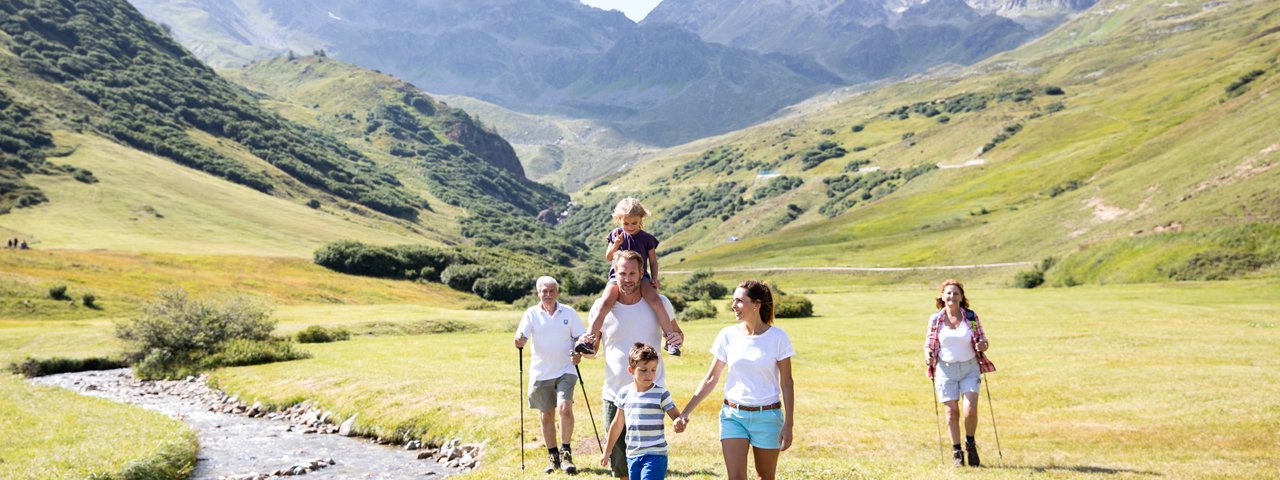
x=673 y=350
x=566 y=462
x=553 y=462
x=958 y=456
x=973 y=455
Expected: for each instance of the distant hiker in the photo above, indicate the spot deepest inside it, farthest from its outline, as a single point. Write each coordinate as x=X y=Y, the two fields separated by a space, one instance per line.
x=758 y=387
x=629 y=237
x=23 y=246
x=630 y=321
x=953 y=355
x=553 y=327
x=641 y=406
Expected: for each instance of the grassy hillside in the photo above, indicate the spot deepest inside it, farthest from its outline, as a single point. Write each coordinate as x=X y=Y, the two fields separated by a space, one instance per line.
x=1136 y=142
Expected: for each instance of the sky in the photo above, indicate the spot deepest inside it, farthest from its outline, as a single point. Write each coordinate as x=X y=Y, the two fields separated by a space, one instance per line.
x=634 y=9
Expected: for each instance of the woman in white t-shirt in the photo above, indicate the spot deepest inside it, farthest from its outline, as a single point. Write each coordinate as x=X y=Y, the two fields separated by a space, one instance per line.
x=757 y=388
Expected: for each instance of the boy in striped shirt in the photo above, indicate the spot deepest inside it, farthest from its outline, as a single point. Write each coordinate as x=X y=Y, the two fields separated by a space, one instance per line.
x=640 y=409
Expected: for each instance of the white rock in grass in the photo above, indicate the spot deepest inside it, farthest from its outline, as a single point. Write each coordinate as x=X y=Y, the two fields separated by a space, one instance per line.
x=345 y=429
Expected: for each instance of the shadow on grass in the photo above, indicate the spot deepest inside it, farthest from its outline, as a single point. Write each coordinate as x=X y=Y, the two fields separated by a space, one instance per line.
x=671 y=473
x=1073 y=468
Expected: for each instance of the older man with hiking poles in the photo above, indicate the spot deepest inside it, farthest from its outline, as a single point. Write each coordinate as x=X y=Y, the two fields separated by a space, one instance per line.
x=553 y=328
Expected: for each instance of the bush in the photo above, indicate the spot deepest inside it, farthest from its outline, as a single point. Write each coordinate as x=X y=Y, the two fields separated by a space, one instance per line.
x=319 y=334
x=58 y=292
x=172 y=335
x=792 y=306
x=1029 y=279
x=313 y=203
x=463 y=277
x=32 y=367
x=1216 y=265
x=503 y=286
x=89 y=300
x=700 y=285
x=240 y=352
x=1053 y=90
x=703 y=309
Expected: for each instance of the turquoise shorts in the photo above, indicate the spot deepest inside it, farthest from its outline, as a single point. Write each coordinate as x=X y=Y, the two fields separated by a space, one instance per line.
x=761 y=429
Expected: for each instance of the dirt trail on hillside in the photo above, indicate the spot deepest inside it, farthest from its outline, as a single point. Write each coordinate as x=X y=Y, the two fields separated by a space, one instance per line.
x=852 y=269
x=242 y=447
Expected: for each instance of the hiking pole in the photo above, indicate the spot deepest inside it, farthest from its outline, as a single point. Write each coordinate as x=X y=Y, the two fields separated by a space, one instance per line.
x=520 y=394
x=588 y=402
x=993 y=417
x=937 y=418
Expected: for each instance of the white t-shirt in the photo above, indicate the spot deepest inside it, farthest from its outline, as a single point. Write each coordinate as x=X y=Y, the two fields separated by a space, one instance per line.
x=956 y=343
x=623 y=327
x=752 y=363
x=551 y=337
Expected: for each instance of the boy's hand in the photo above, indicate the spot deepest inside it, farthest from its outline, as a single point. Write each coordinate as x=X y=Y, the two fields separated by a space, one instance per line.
x=604 y=460
x=679 y=424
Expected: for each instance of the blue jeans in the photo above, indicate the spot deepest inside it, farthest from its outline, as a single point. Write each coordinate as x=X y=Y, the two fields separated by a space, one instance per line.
x=647 y=467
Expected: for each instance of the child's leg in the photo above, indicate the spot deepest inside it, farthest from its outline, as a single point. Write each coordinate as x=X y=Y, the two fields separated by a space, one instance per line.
x=610 y=296
x=659 y=310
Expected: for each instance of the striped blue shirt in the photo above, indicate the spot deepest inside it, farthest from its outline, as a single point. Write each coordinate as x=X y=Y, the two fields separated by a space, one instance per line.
x=644 y=419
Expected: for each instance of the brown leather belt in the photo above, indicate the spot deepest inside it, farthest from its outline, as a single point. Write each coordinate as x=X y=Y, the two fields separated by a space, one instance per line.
x=744 y=408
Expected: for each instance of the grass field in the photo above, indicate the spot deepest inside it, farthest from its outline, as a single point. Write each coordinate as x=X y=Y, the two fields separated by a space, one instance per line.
x=1142 y=381
x=1168 y=380
x=54 y=433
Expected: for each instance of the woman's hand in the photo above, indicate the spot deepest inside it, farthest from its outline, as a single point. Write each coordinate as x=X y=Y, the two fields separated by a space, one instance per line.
x=982 y=345
x=785 y=437
x=928 y=359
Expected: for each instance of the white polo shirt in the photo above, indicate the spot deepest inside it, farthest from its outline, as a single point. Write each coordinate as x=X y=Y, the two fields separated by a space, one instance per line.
x=623 y=327
x=551 y=337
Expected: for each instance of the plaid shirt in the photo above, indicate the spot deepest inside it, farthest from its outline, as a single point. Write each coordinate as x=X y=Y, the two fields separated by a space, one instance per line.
x=932 y=345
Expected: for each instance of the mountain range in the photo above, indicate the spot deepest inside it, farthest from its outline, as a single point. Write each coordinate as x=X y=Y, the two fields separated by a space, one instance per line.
x=727 y=66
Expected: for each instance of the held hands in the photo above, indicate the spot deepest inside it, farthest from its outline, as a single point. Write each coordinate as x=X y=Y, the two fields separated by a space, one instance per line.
x=680 y=423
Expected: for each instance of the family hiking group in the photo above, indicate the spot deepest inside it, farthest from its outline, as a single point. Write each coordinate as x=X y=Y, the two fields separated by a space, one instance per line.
x=757 y=412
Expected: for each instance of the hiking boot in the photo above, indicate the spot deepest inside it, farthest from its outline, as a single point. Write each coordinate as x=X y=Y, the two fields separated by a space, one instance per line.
x=566 y=462
x=973 y=455
x=553 y=462
x=958 y=456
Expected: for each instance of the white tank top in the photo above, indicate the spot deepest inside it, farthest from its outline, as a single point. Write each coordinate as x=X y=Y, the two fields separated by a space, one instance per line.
x=957 y=344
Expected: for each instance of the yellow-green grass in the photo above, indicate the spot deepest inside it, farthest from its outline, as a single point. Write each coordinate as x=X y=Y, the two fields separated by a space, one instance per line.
x=121 y=281
x=1133 y=381
x=143 y=203
x=50 y=433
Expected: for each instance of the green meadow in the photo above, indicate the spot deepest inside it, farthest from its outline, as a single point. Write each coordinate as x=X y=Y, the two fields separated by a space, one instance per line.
x=1171 y=380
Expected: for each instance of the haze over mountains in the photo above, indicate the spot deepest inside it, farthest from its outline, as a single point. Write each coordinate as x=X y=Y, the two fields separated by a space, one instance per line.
x=652 y=82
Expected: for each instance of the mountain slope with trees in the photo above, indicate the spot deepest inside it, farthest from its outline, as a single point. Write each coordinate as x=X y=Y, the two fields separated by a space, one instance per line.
x=1135 y=143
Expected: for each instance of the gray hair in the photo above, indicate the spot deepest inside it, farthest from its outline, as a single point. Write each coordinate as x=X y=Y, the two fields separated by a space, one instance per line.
x=545 y=280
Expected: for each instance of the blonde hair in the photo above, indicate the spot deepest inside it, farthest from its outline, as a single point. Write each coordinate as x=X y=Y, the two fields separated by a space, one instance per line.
x=629 y=207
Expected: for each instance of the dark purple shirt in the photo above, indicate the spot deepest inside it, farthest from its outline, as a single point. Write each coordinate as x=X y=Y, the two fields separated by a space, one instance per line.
x=642 y=242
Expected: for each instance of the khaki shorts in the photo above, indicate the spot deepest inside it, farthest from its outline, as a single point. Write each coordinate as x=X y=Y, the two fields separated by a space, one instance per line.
x=545 y=394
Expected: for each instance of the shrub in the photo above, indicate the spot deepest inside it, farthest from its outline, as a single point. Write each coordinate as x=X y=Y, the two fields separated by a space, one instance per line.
x=503 y=286
x=32 y=367
x=463 y=277
x=703 y=309
x=792 y=306
x=828 y=131
x=1053 y=90
x=313 y=203
x=239 y=352
x=1216 y=265
x=856 y=128
x=89 y=300
x=171 y=335
x=1029 y=279
x=319 y=334
x=58 y=292
x=700 y=285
